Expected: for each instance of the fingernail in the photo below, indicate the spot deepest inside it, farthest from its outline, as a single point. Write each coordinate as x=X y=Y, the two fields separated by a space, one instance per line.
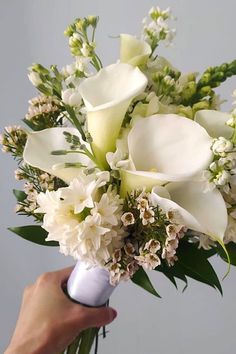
x=113 y=314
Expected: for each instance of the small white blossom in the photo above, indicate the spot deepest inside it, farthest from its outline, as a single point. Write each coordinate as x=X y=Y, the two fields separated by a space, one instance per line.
x=35 y=78
x=152 y=246
x=129 y=249
x=222 y=178
x=149 y=261
x=221 y=146
x=128 y=219
x=71 y=97
x=147 y=216
x=205 y=242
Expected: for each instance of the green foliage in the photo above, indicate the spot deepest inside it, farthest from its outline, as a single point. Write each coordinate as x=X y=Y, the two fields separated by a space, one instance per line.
x=231 y=248
x=33 y=233
x=20 y=195
x=195 y=265
x=210 y=79
x=87 y=339
x=141 y=278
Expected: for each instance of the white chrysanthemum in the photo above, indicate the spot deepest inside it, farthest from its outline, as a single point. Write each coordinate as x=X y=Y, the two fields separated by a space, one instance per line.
x=82 y=190
x=86 y=223
x=108 y=207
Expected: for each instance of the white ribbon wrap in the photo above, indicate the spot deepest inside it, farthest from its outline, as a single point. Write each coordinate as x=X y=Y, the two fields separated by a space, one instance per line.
x=89 y=287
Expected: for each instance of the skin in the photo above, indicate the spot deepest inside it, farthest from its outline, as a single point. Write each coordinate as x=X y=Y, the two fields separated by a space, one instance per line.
x=48 y=321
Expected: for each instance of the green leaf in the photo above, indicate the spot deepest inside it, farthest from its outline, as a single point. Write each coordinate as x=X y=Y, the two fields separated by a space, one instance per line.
x=31 y=125
x=33 y=233
x=20 y=195
x=141 y=278
x=173 y=272
x=195 y=265
x=231 y=248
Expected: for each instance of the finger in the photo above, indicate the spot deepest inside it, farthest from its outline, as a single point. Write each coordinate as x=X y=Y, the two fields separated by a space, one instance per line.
x=96 y=317
x=62 y=275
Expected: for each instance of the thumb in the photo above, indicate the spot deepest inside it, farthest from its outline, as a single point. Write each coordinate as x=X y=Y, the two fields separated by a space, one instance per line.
x=97 y=317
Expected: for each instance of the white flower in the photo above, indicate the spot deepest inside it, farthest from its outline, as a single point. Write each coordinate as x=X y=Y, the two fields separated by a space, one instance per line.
x=35 y=78
x=85 y=222
x=106 y=107
x=133 y=51
x=71 y=97
x=230 y=233
x=175 y=231
x=222 y=178
x=214 y=122
x=119 y=158
x=194 y=206
x=39 y=146
x=86 y=50
x=221 y=146
x=142 y=204
x=149 y=261
x=108 y=207
x=147 y=216
x=128 y=219
x=205 y=242
x=78 y=194
x=129 y=249
x=165 y=148
x=89 y=236
x=152 y=246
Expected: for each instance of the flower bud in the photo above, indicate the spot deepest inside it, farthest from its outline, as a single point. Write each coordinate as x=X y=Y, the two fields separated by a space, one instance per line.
x=71 y=97
x=35 y=78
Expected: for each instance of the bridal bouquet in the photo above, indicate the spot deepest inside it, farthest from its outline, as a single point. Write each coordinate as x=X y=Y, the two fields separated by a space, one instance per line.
x=129 y=167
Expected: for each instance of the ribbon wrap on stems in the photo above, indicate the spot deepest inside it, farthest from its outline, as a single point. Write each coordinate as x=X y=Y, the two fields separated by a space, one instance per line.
x=89 y=287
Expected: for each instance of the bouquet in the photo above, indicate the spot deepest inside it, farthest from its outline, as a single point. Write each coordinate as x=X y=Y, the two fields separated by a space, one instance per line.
x=127 y=168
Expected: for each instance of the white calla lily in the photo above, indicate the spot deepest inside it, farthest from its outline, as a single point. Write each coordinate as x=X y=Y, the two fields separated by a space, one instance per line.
x=107 y=96
x=166 y=148
x=40 y=145
x=214 y=122
x=208 y=208
x=133 y=51
x=194 y=207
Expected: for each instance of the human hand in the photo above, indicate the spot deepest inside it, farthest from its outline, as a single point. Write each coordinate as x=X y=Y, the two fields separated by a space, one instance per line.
x=48 y=321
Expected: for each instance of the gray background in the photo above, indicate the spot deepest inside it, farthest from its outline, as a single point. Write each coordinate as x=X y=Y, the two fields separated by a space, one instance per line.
x=198 y=321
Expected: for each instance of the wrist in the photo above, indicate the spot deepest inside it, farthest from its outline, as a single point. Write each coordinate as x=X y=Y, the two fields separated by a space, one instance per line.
x=26 y=347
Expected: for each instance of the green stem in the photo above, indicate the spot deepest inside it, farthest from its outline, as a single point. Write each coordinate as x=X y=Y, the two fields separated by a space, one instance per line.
x=73 y=347
x=75 y=121
x=87 y=339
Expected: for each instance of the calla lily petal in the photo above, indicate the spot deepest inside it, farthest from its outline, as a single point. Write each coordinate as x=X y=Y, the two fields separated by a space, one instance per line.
x=169 y=145
x=214 y=122
x=208 y=208
x=39 y=146
x=131 y=180
x=163 y=200
x=133 y=51
x=107 y=96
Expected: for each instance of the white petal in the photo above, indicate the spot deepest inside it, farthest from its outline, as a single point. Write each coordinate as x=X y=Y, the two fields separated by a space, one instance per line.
x=207 y=208
x=39 y=146
x=163 y=200
x=170 y=145
x=214 y=122
x=107 y=96
x=133 y=51
x=137 y=180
